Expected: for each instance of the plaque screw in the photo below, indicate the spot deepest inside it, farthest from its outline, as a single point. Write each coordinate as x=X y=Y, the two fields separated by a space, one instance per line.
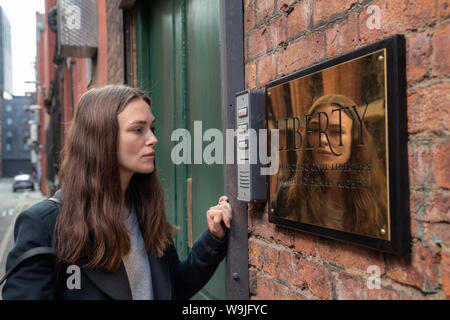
x=380 y=58
x=268 y=93
x=235 y=276
x=383 y=231
x=271 y=210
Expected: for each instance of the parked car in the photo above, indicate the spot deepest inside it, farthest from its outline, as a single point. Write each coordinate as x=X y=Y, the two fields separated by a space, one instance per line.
x=23 y=181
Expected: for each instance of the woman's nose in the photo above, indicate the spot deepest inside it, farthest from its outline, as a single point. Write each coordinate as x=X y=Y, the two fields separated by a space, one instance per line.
x=151 y=138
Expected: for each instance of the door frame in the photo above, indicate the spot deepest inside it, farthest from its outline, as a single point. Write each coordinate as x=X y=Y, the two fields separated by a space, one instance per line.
x=232 y=78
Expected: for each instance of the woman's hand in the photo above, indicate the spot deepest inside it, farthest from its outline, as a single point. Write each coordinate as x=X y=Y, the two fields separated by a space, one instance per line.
x=215 y=215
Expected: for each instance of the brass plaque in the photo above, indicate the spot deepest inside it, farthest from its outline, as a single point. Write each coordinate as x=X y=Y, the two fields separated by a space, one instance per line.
x=333 y=155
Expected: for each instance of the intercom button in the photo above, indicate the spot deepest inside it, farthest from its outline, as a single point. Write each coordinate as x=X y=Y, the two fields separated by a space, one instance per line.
x=243 y=144
x=243 y=128
x=242 y=112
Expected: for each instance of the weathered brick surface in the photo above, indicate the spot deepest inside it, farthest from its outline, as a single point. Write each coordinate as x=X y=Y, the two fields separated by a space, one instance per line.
x=114 y=42
x=441 y=46
x=284 y=36
x=342 y=36
x=418 y=51
x=428 y=108
x=441 y=165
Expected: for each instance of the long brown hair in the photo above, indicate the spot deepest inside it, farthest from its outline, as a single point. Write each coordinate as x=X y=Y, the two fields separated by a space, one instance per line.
x=89 y=226
x=365 y=207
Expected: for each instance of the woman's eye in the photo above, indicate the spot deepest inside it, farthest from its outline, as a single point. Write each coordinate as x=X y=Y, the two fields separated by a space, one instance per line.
x=138 y=130
x=153 y=129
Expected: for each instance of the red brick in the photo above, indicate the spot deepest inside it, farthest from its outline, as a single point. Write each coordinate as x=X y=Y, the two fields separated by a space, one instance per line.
x=443 y=9
x=294 y=295
x=396 y=17
x=262 y=227
x=381 y=294
x=268 y=289
x=441 y=165
x=267 y=38
x=284 y=236
x=421 y=270
x=249 y=18
x=307 y=50
x=270 y=260
x=438 y=233
x=299 y=19
x=445 y=263
x=420 y=164
x=430 y=206
x=284 y=3
x=348 y=255
x=314 y=276
x=349 y=287
x=428 y=108
x=418 y=50
x=441 y=46
x=324 y=9
x=342 y=36
x=255 y=254
x=264 y=10
x=250 y=76
x=286 y=265
x=248 y=3
x=304 y=243
x=266 y=67
x=263 y=257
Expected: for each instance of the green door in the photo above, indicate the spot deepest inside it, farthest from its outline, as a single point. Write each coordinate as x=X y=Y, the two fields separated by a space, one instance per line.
x=178 y=63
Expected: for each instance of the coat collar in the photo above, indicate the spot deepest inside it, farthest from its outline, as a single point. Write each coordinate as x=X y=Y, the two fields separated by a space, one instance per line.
x=116 y=285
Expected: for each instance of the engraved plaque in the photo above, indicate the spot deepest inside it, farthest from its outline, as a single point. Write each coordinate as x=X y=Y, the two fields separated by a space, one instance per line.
x=333 y=148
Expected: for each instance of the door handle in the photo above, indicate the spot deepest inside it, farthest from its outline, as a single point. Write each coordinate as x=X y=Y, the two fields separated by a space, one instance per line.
x=189 y=212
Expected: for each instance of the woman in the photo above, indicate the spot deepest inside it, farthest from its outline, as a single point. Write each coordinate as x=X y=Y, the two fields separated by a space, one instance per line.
x=339 y=182
x=112 y=223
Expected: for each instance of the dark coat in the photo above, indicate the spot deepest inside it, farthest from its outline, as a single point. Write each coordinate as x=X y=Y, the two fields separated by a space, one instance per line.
x=36 y=278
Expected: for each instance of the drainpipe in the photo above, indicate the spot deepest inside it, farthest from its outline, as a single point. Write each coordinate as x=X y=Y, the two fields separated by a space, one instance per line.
x=70 y=64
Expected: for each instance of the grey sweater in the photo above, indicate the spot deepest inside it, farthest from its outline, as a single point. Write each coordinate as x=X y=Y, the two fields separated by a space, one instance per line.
x=136 y=262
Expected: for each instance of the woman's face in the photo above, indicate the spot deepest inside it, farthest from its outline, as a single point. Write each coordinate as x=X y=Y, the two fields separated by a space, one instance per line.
x=324 y=156
x=136 y=140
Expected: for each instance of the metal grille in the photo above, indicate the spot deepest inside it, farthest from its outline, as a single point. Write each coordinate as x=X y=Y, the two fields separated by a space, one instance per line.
x=77 y=28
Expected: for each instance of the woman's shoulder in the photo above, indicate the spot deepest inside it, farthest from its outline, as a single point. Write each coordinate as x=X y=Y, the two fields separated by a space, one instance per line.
x=42 y=214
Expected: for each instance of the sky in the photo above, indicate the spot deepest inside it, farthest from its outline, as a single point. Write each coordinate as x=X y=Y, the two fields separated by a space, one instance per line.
x=22 y=18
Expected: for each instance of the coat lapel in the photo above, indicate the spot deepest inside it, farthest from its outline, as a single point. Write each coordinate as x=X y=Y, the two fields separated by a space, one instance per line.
x=161 y=280
x=114 y=284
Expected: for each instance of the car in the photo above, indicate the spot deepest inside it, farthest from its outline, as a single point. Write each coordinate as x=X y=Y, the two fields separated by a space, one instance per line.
x=23 y=181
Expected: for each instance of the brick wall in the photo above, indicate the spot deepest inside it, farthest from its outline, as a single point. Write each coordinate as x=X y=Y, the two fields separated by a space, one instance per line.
x=114 y=42
x=283 y=36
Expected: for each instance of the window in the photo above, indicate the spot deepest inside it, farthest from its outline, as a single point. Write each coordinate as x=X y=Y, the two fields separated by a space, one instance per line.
x=9 y=121
x=26 y=147
x=8 y=147
x=9 y=134
x=8 y=108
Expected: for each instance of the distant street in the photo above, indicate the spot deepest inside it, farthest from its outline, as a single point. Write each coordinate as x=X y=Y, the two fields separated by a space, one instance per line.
x=11 y=204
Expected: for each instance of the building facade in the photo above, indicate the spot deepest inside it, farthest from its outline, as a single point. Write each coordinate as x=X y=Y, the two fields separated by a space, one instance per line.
x=192 y=57
x=16 y=156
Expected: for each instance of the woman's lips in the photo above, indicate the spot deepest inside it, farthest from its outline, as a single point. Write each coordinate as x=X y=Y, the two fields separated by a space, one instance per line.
x=150 y=155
